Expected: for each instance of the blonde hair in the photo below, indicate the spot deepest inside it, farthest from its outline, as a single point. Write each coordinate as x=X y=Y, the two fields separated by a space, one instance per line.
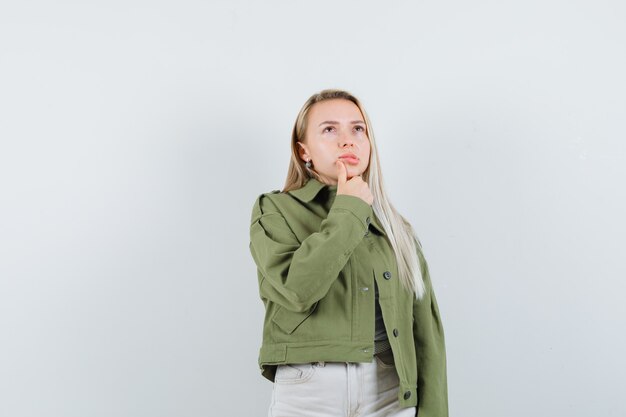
x=400 y=233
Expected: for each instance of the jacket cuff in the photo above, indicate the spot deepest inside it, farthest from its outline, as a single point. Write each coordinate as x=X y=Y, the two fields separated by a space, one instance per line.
x=355 y=205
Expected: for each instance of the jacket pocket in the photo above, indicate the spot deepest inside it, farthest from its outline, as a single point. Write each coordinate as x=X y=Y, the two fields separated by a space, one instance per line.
x=289 y=321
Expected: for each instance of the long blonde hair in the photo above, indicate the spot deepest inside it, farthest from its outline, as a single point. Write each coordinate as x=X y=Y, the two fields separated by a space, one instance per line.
x=400 y=233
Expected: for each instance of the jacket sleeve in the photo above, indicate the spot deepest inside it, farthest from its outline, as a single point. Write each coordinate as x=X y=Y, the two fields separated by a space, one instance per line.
x=432 y=383
x=297 y=274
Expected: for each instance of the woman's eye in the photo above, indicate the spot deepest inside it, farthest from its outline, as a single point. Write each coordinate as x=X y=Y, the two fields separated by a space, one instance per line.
x=359 y=128
x=328 y=129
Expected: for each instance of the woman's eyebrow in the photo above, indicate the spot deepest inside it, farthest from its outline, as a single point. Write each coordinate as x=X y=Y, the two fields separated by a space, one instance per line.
x=332 y=122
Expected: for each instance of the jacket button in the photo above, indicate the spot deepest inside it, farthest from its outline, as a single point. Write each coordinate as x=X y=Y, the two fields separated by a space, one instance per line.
x=395 y=332
x=365 y=289
x=387 y=275
x=367 y=220
x=407 y=395
x=367 y=232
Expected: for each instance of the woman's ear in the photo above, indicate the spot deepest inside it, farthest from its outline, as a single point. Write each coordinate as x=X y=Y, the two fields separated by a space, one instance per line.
x=303 y=152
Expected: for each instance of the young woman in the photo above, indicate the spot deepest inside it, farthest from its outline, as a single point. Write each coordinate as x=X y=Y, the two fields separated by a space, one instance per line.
x=352 y=326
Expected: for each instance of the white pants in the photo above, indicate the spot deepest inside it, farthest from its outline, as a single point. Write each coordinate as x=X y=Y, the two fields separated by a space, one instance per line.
x=337 y=389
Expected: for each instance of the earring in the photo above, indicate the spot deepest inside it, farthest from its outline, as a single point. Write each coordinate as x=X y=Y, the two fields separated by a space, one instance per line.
x=308 y=164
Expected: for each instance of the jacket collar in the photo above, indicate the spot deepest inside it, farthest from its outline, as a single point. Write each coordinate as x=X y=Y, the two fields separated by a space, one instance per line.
x=312 y=188
x=308 y=192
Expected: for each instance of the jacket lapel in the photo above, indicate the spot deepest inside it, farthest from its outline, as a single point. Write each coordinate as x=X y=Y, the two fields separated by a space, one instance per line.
x=311 y=189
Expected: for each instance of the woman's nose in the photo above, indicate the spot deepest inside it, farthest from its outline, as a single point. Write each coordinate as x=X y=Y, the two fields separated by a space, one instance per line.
x=346 y=140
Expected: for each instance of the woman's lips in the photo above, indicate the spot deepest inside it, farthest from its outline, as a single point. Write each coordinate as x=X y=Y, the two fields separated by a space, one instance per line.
x=349 y=159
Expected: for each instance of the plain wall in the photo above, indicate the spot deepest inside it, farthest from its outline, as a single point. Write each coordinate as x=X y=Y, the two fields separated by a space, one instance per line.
x=135 y=137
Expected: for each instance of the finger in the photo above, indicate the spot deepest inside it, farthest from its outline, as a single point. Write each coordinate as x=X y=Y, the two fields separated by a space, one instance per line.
x=342 y=172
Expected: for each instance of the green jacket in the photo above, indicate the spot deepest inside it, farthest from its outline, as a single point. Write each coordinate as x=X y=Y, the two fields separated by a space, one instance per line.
x=318 y=254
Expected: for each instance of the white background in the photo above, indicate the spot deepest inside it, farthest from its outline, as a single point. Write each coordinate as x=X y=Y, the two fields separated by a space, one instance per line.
x=136 y=135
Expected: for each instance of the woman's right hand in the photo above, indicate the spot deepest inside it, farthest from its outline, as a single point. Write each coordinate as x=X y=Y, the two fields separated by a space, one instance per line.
x=355 y=186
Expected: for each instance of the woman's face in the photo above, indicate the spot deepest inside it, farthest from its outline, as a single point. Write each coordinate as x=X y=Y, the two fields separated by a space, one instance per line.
x=334 y=128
